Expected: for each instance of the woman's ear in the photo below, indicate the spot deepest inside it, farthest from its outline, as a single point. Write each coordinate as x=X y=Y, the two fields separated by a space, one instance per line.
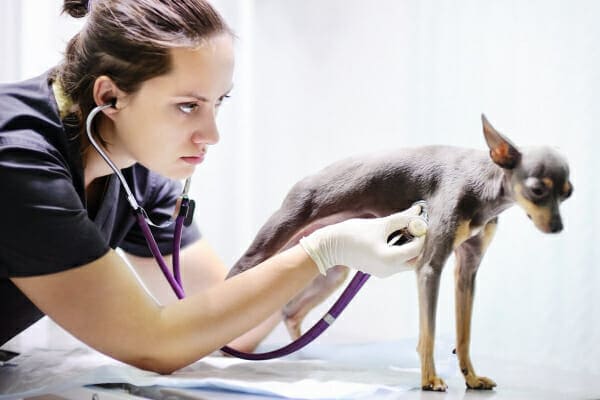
x=106 y=91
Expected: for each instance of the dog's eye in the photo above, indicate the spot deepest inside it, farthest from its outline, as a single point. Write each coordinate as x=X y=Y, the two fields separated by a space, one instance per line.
x=538 y=191
x=537 y=188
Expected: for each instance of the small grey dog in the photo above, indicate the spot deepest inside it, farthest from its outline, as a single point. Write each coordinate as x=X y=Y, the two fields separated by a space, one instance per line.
x=465 y=191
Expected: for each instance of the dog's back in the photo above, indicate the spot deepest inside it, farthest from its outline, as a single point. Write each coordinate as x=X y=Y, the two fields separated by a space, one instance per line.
x=371 y=185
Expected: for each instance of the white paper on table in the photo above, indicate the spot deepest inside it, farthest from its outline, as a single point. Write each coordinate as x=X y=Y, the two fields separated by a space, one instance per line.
x=319 y=372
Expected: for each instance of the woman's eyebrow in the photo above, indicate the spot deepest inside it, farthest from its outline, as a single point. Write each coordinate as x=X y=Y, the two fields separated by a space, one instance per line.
x=228 y=90
x=202 y=98
x=194 y=95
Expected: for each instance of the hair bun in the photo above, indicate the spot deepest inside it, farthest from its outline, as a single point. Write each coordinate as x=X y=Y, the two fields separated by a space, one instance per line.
x=76 y=8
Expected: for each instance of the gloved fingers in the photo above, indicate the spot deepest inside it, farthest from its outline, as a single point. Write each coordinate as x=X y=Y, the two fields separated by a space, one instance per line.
x=414 y=210
x=404 y=219
x=405 y=252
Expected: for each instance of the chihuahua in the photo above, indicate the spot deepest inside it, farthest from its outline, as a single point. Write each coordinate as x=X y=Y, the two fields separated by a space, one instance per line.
x=465 y=190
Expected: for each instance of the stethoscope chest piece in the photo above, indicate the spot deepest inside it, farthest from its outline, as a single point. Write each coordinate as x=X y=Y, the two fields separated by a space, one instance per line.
x=185 y=208
x=190 y=213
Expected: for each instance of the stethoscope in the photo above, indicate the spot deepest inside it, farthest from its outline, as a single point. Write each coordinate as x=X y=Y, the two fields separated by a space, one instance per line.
x=184 y=211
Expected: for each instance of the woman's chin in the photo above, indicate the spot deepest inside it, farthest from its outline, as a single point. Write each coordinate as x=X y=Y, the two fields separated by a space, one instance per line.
x=174 y=173
x=181 y=173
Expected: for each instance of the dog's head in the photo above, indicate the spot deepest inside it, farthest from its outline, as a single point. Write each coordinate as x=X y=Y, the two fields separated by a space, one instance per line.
x=539 y=178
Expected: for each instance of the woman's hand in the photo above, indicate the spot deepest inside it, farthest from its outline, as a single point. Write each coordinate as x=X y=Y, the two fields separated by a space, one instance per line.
x=362 y=244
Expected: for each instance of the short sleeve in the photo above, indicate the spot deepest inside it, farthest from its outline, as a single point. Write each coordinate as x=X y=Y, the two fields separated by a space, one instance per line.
x=159 y=203
x=44 y=226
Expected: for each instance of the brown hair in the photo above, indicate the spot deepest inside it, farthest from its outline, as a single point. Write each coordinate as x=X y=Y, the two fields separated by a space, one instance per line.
x=129 y=41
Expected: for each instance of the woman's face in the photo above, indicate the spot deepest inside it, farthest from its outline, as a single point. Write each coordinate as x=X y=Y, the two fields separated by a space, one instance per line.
x=168 y=124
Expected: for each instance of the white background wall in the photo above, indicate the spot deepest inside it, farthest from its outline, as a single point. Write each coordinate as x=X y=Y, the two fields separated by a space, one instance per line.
x=318 y=80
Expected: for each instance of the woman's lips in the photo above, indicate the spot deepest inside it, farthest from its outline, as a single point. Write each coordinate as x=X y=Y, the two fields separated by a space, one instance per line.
x=194 y=160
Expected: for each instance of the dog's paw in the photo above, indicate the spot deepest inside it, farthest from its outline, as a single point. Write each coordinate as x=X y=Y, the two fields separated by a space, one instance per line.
x=293 y=327
x=479 y=382
x=434 y=384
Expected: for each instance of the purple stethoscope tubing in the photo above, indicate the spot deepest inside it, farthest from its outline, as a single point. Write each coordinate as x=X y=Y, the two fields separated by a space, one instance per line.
x=174 y=279
x=317 y=329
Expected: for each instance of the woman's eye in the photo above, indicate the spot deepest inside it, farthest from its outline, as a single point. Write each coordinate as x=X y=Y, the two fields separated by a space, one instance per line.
x=187 y=107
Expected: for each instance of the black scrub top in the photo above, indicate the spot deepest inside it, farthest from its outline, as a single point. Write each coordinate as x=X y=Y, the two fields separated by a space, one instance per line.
x=44 y=224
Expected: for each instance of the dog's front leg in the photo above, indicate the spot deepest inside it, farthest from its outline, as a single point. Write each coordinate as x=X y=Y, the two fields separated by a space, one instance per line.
x=468 y=258
x=428 y=282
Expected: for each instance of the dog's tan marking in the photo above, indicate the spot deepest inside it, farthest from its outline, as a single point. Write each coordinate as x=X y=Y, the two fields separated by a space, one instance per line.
x=549 y=183
x=463 y=308
x=429 y=378
x=540 y=216
x=464 y=276
x=488 y=234
x=463 y=232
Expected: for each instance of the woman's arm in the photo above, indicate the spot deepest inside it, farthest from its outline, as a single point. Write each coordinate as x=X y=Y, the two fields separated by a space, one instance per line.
x=201 y=268
x=103 y=304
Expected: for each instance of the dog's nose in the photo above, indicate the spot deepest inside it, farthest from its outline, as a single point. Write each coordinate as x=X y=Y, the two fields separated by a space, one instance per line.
x=556 y=225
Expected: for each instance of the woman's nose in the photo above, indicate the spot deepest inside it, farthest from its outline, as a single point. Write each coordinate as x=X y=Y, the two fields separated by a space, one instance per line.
x=207 y=132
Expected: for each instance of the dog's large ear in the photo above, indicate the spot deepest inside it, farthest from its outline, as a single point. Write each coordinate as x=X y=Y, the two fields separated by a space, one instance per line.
x=502 y=151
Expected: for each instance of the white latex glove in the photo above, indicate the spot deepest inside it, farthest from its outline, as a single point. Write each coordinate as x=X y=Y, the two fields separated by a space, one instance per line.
x=361 y=243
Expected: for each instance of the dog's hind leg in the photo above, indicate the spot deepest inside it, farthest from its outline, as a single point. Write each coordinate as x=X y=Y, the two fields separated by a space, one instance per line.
x=319 y=290
x=468 y=258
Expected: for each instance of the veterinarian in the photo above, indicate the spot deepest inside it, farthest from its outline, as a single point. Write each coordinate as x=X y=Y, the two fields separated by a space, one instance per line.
x=155 y=74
